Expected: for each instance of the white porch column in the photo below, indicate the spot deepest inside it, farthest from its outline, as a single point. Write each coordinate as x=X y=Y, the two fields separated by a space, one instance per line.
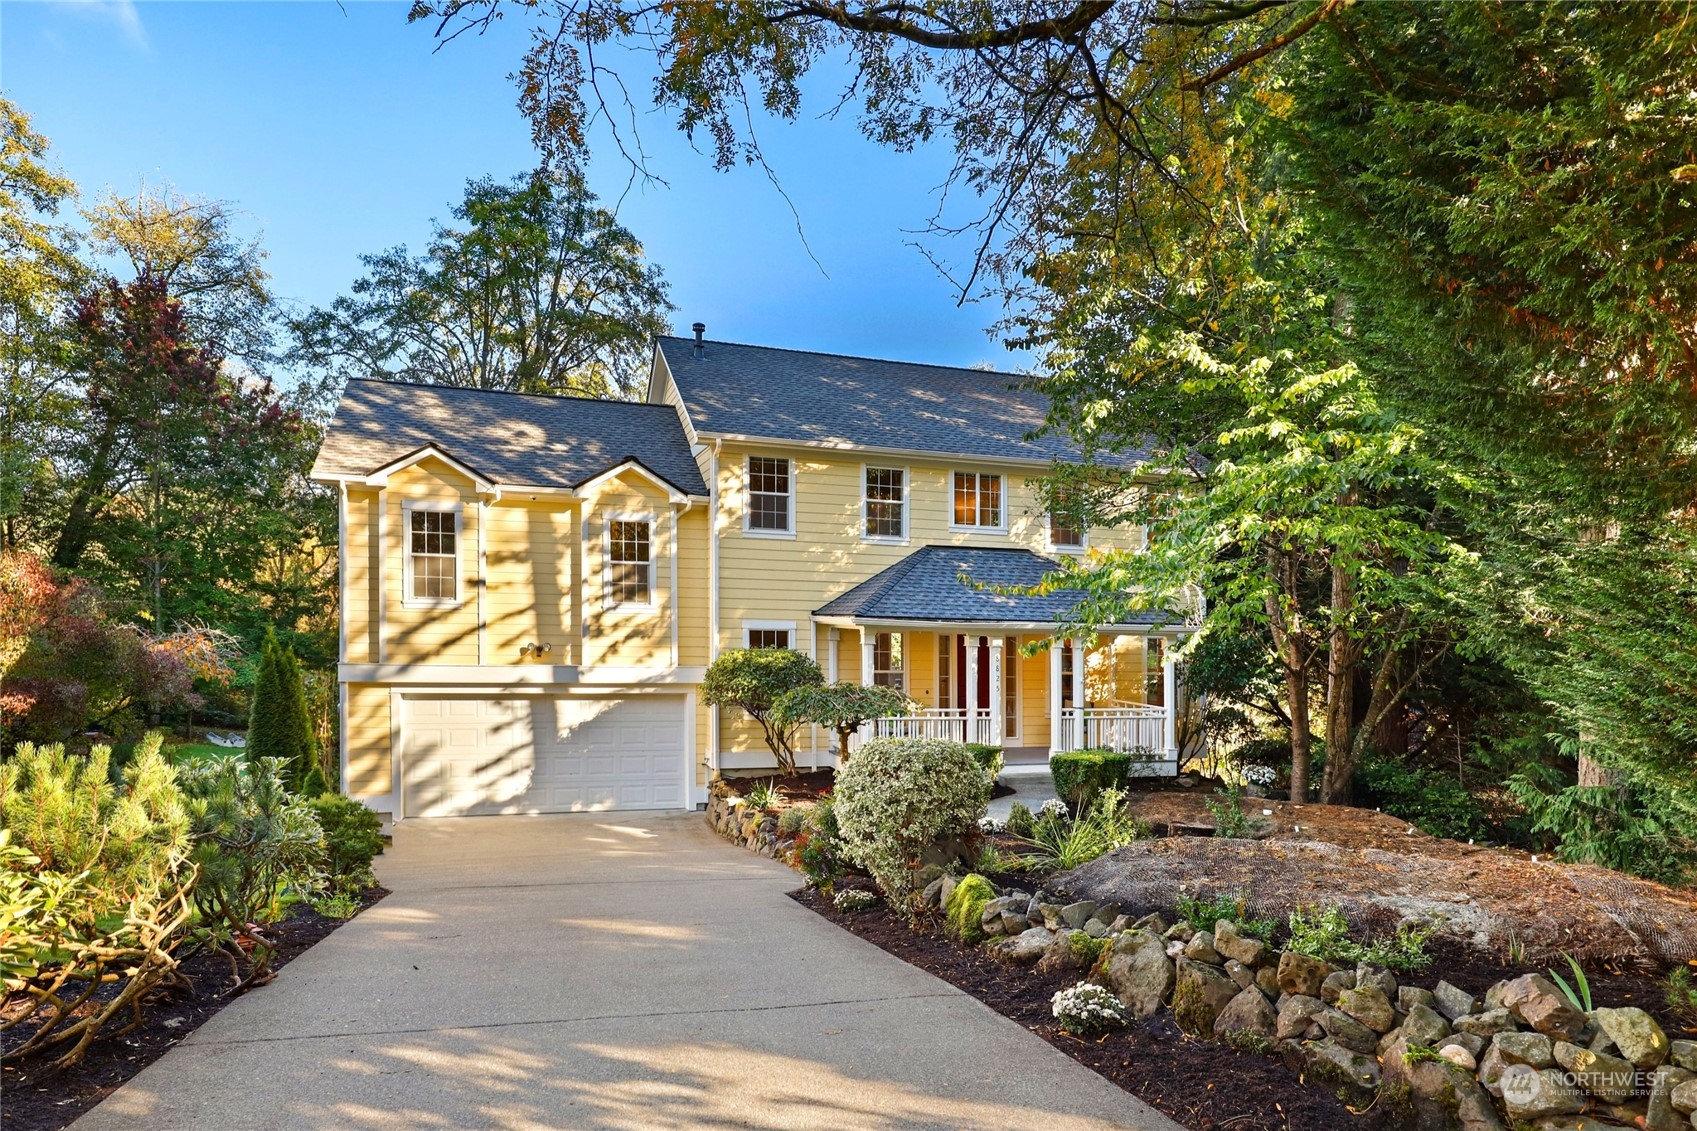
x=831 y=638
x=1057 y=742
x=969 y=685
x=868 y=640
x=998 y=692
x=1169 y=696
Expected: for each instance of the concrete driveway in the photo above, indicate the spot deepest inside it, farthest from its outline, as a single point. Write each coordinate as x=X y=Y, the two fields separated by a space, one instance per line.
x=605 y=971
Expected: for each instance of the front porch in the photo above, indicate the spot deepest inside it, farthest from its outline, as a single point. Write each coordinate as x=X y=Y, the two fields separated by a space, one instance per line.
x=966 y=636
x=1111 y=694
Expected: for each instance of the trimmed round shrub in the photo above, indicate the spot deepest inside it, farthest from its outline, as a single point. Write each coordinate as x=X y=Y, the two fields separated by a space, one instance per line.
x=1081 y=774
x=965 y=908
x=897 y=797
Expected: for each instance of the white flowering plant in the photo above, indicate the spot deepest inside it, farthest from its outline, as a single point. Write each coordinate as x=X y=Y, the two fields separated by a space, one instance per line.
x=1088 y=1010
x=854 y=899
x=1260 y=775
x=991 y=825
x=897 y=797
x=1054 y=808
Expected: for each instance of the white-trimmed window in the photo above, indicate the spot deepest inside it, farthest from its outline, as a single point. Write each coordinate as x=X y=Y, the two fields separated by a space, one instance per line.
x=1010 y=687
x=768 y=634
x=884 y=501
x=889 y=664
x=978 y=500
x=771 y=496
x=432 y=558
x=1154 y=673
x=630 y=560
x=1066 y=523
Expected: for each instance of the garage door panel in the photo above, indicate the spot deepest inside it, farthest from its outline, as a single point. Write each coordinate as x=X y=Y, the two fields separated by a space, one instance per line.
x=467 y=756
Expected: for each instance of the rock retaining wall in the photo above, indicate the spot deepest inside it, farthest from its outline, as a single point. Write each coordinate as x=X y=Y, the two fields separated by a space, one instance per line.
x=1523 y=1055
x=731 y=817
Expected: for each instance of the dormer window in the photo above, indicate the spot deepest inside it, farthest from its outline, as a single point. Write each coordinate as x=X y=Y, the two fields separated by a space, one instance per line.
x=771 y=496
x=432 y=562
x=630 y=561
x=978 y=500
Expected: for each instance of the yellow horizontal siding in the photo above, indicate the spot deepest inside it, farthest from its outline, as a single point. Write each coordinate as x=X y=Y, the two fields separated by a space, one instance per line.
x=367 y=741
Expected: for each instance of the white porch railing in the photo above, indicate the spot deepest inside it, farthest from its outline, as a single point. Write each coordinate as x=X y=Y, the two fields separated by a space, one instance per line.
x=1122 y=729
x=932 y=722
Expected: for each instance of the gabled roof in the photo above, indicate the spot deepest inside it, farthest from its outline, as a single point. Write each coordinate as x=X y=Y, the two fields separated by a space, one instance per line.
x=927 y=585
x=759 y=392
x=510 y=439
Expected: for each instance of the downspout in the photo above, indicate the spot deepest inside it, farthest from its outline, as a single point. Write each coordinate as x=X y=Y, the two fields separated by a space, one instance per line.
x=342 y=636
x=713 y=597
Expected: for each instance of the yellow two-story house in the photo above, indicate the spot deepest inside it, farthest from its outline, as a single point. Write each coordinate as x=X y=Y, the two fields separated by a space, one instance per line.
x=532 y=587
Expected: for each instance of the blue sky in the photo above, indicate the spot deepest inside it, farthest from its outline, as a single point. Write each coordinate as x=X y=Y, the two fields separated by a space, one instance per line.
x=340 y=130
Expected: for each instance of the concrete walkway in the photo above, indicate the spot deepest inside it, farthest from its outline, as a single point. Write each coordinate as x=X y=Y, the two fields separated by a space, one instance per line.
x=611 y=972
x=1031 y=785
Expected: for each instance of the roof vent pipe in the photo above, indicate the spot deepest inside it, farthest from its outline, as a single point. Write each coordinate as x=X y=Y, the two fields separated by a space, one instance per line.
x=700 y=329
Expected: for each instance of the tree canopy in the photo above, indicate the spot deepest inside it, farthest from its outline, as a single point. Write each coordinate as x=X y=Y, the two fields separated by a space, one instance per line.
x=535 y=290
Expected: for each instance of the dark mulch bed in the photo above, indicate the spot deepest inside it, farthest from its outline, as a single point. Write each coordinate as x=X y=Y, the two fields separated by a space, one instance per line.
x=805 y=785
x=36 y=1100
x=810 y=785
x=1201 y=1084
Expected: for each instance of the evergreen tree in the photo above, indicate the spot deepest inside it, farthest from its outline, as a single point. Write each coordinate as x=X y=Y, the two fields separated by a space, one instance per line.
x=278 y=725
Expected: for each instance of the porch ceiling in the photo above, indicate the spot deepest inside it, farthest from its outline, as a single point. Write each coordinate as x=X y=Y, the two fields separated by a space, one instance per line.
x=958 y=585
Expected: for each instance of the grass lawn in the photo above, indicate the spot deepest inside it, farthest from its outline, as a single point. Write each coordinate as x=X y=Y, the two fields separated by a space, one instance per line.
x=199 y=752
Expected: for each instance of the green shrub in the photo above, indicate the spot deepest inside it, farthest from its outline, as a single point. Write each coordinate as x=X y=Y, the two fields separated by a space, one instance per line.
x=254 y=842
x=1205 y=914
x=1230 y=820
x=898 y=797
x=792 y=820
x=1081 y=774
x=1058 y=842
x=1681 y=996
x=965 y=908
x=353 y=838
x=1021 y=823
x=1433 y=802
x=1323 y=933
x=818 y=849
x=94 y=892
x=764 y=795
x=989 y=757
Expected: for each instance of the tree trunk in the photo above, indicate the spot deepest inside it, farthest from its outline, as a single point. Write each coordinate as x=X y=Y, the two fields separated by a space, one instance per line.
x=86 y=504
x=1296 y=685
x=1343 y=657
x=1287 y=640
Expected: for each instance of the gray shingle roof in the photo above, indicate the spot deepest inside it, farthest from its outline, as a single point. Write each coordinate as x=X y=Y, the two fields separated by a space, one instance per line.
x=737 y=390
x=508 y=438
x=926 y=585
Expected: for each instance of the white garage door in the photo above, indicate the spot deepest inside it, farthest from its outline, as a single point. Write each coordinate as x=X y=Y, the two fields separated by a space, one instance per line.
x=542 y=755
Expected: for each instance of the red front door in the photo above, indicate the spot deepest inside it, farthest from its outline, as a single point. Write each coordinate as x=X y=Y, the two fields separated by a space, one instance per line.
x=983 y=645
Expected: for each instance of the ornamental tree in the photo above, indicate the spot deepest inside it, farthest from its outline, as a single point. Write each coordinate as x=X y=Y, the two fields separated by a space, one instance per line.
x=754 y=679
x=841 y=706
